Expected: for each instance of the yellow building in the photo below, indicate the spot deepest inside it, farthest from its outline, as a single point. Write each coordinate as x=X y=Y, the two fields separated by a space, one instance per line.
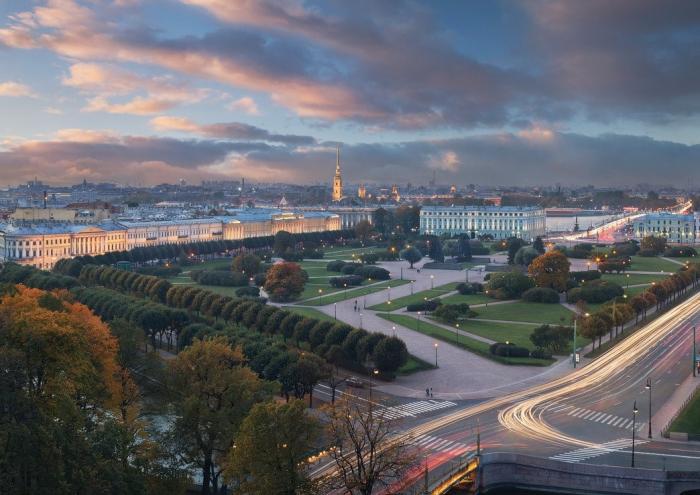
x=337 y=178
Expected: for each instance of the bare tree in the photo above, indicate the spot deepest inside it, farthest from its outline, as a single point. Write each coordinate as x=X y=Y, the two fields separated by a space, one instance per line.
x=368 y=452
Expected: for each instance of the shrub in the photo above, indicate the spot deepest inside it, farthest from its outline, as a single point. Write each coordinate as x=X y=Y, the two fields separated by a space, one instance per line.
x=541 y=295
x=452 y=312
x=541 y=354
x=471 y=288
x=429 y=305
x=373 y=272
x=612 y=266
x=595 y=291
x=335 y=266
x=586 y=275
x=248 y=292
x=292 y=256
x=390 y=354
x=646 y=253
x=219 y=278
x=478 y=249
x=349 y=280
x=508 y=350
x=369 y=258
x=349 y=268
x=312 y=254
x=678 y=251
x=509 y=285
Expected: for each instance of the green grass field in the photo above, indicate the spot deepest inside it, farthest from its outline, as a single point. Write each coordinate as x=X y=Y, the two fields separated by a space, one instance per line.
x=653 y=264
x=469 y=299
x=400 y=302
x=414 y=365
x=475 y=346
x=625 y=279
x=346 y=253
x=526 y=312
x=689 y=420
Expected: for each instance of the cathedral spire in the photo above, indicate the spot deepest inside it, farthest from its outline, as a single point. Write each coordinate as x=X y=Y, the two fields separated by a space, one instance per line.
x=337 y=194
x=337 y=160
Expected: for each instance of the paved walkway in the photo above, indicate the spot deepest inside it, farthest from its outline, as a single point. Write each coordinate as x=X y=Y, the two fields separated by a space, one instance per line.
x=461 y=374
x=669 y=411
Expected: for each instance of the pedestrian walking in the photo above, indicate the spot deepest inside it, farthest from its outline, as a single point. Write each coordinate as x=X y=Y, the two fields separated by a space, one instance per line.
x=427 y=392
x=431 y=392
x=355 y=305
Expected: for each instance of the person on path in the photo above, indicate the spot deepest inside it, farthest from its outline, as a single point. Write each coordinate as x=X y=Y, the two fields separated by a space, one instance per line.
x=431 y=392
x=427 y=393
x=355 y=305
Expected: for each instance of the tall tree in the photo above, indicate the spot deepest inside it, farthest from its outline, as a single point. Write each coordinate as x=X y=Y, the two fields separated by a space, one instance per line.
x=214 y=393
x=363 y=229
x=550 y=270
x=247 y=263
x=366 y=453
x=412 y=255
x=271 y=451
x=284 y=282
x=539 y=245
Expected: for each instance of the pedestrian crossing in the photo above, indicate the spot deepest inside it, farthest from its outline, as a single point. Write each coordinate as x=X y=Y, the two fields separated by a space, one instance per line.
x=598 y=417
x=408 y=410
x=586 y=453
x=413 y=409
x=437 y=444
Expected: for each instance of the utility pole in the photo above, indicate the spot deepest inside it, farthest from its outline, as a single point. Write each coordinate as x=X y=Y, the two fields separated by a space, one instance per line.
x=694 y=363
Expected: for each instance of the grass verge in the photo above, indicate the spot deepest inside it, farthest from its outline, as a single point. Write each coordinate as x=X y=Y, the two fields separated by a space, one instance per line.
x=472 y=345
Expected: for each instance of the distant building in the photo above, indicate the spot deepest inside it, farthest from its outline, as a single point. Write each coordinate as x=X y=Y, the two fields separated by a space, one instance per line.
x=395 y=196
x=337 y=179
x=500 y=222
x=42 y=244
x=676 y=228
x=74 y=213
x=362 y=192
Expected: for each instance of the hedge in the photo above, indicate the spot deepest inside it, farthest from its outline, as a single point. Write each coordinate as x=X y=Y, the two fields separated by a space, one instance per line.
x=541 y=295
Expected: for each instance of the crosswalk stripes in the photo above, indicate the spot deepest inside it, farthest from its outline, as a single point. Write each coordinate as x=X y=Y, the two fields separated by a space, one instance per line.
x=597 y=416
x=437 y=444
x=586 y=453
x=408 y=410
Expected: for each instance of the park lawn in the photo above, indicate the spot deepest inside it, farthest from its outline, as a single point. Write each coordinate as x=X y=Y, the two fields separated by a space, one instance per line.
x=624 y=279
x=346 y=252
x=653 y=264
x=499 y=332
x=210 y=265
x=414 y=365
x=689 y=419
x=469 y=299
x=337 y=295
x=310 y=313
x=400 y=302
x=475 y=346
x=526 y=312
x=633 y=291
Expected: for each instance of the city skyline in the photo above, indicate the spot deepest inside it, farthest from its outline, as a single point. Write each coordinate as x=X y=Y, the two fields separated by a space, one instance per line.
x=486 y=92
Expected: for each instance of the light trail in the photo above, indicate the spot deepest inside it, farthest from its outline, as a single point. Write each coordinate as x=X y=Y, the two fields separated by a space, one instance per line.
x=522 y=410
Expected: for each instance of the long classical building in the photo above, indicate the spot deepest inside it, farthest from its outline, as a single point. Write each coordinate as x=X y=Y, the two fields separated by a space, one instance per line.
x=676 y=228
x=500 y=222
x=43 y=244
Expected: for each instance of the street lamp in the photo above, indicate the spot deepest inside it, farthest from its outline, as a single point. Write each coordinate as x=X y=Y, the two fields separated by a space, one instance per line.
x=393 y=329
x=436 y=346
x=457 y=331
x=360 y=321
x=335 y=311
x=432 y=280
x=634 y=427
x=411 y=287
x=418 y=321
x=320 y=291
x=374 y=372
x=345 y=290
x=694 y=354
x=648 y=386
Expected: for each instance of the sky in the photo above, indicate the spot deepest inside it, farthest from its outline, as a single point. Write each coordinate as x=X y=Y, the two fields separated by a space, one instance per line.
x=491 y=92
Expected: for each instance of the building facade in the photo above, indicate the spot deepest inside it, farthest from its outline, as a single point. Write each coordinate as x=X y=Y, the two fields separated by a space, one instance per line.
x=43 y=244
x=676 y=228
x=500 y=222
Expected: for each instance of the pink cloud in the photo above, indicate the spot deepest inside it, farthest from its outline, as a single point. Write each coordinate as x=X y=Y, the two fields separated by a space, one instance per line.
x=15 y=89
x=136 y=106
x=245 y=104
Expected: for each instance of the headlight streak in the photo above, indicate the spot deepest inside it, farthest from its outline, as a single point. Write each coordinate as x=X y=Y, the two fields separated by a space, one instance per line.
x=520 y=417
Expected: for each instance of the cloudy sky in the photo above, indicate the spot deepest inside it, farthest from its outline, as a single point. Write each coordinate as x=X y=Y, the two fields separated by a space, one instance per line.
x=486 y=92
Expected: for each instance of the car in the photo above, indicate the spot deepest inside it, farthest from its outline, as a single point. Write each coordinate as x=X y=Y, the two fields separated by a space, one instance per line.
x=355 y=382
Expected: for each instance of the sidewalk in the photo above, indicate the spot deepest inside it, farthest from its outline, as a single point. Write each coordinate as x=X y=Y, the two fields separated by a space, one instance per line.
x=669 y=411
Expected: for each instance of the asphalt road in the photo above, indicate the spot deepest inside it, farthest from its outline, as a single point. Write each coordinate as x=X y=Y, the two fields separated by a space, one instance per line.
x=585 y=416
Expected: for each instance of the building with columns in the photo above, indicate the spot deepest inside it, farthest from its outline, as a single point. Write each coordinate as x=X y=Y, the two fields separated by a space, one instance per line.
x=500 y=222
x=676 y=228
x=337 y=179
x=43 y=244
